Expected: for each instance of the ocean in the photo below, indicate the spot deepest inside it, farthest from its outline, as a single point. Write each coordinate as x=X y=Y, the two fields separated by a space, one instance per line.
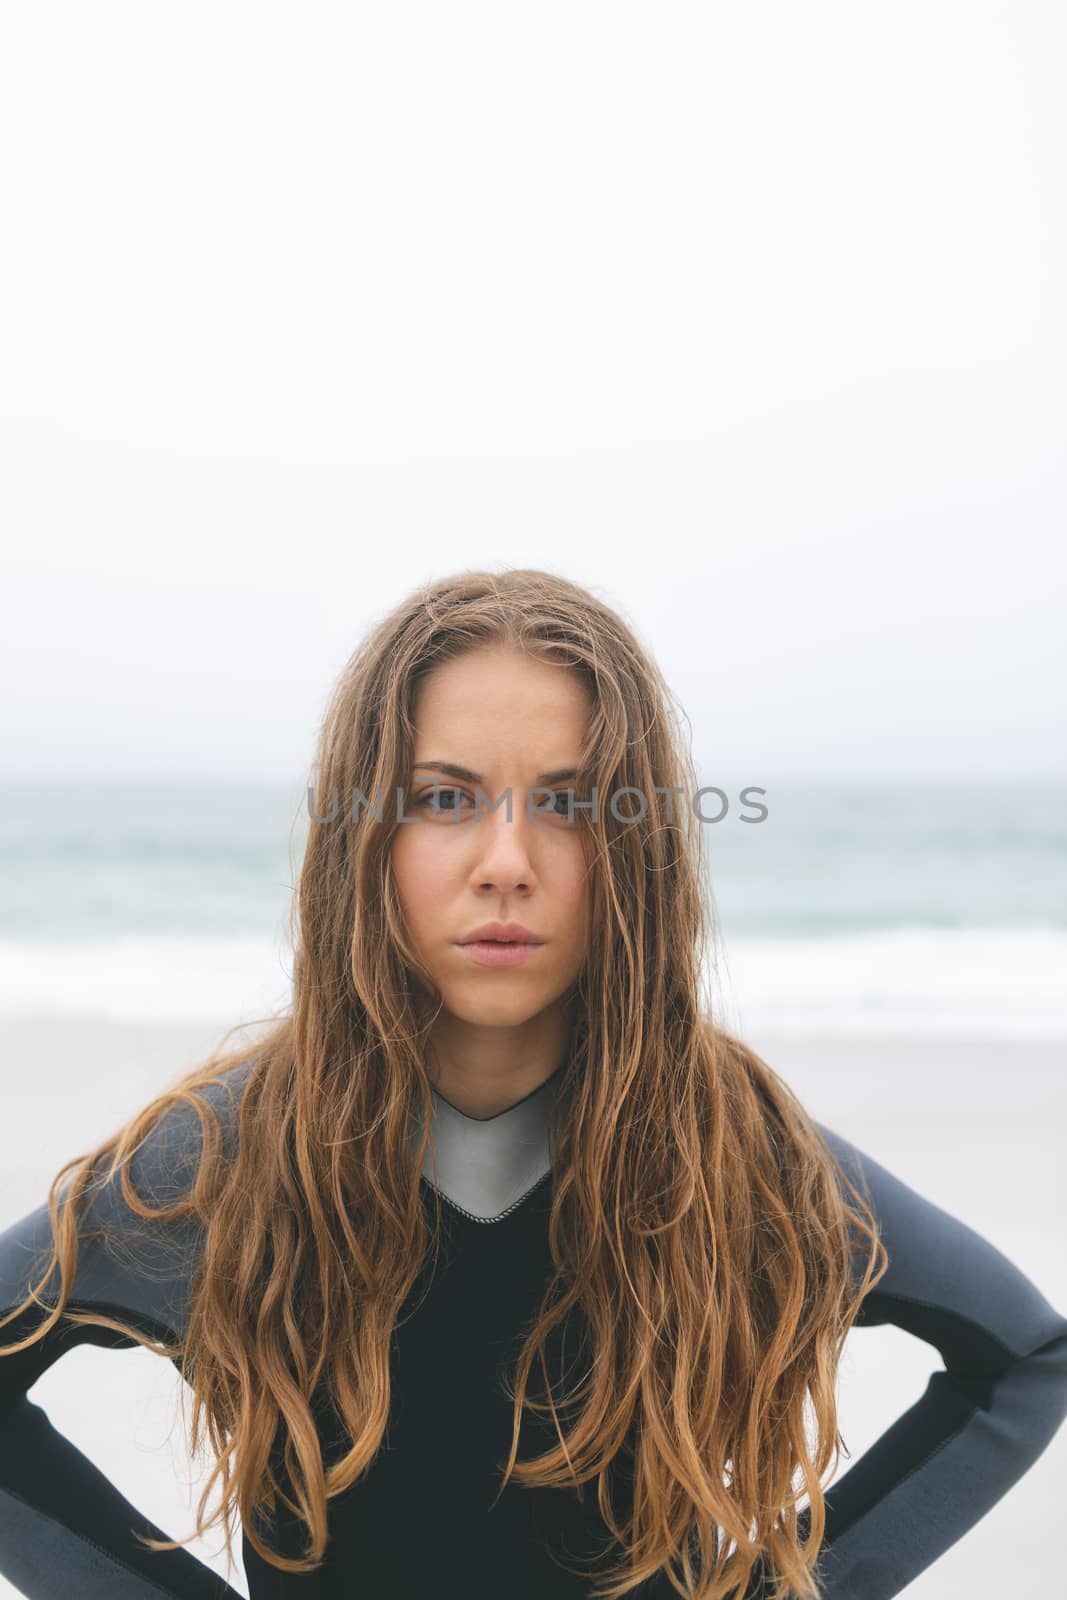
x=870 y=908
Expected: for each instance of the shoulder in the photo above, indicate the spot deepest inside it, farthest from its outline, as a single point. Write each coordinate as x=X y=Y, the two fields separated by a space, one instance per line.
x=164 y=1165
x=939 y=1264
x=136 y=1268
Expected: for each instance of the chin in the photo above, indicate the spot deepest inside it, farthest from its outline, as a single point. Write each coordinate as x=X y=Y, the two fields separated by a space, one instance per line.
x=494 y=1011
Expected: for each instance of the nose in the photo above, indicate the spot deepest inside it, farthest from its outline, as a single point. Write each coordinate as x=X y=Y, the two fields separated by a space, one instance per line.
x=503 y=856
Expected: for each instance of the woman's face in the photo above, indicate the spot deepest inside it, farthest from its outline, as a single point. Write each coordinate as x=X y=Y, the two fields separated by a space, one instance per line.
x=511 y=722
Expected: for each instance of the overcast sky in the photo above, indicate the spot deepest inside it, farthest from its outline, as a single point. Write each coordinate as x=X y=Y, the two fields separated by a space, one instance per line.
x=750 y=317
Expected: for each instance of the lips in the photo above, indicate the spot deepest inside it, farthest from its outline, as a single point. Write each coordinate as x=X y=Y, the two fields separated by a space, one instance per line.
x=502 y=933
x=499 y=952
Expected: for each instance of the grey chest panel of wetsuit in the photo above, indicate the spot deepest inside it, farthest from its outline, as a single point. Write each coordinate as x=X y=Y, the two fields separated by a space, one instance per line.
x=419 y=1526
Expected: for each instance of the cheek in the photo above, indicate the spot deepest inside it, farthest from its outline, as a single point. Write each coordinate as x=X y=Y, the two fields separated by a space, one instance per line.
x=421 y=874
x=573 y=885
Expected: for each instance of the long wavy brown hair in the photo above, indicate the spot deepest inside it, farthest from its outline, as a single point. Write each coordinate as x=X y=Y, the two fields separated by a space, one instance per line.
x=700 y=1224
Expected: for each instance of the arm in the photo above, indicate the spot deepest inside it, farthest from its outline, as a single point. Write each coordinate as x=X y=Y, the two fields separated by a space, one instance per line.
x=64 y=1527
x=982 y=1421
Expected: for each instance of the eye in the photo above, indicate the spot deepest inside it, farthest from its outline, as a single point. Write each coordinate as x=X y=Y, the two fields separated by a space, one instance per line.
x=558 y=806
x=429 y=800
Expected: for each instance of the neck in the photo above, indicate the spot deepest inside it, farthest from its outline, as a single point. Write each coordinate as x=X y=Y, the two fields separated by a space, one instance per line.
x=481 y=1070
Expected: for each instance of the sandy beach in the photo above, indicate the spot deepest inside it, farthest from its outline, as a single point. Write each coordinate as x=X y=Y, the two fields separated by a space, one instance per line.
x=975 y=1126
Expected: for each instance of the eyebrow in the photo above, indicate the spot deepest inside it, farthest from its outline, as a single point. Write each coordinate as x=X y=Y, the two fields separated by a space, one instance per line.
x=557 y=775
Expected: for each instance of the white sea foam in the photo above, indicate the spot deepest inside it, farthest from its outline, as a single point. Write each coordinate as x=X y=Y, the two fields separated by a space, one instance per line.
x=996 y=983
x=980 y=982
x=143 y=978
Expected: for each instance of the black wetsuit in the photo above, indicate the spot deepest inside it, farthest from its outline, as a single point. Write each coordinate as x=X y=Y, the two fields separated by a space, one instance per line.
x=419 y=1526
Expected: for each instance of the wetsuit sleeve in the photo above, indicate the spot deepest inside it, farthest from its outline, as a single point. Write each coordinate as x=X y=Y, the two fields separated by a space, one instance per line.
x=64 y=1527
x=983 y=1419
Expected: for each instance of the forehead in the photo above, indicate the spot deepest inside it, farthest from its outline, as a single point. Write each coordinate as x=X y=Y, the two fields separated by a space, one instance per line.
x=500 y=695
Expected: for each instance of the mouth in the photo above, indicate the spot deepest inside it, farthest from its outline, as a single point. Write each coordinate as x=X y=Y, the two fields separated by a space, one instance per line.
x=501 y=932
x=500 y=952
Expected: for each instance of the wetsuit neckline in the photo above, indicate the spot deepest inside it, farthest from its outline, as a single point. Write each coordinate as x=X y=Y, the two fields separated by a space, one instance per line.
x=552 y=1081
x=486 y=1166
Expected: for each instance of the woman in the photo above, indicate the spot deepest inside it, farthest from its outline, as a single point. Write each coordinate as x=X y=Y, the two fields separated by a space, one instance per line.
x=495 y=1266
